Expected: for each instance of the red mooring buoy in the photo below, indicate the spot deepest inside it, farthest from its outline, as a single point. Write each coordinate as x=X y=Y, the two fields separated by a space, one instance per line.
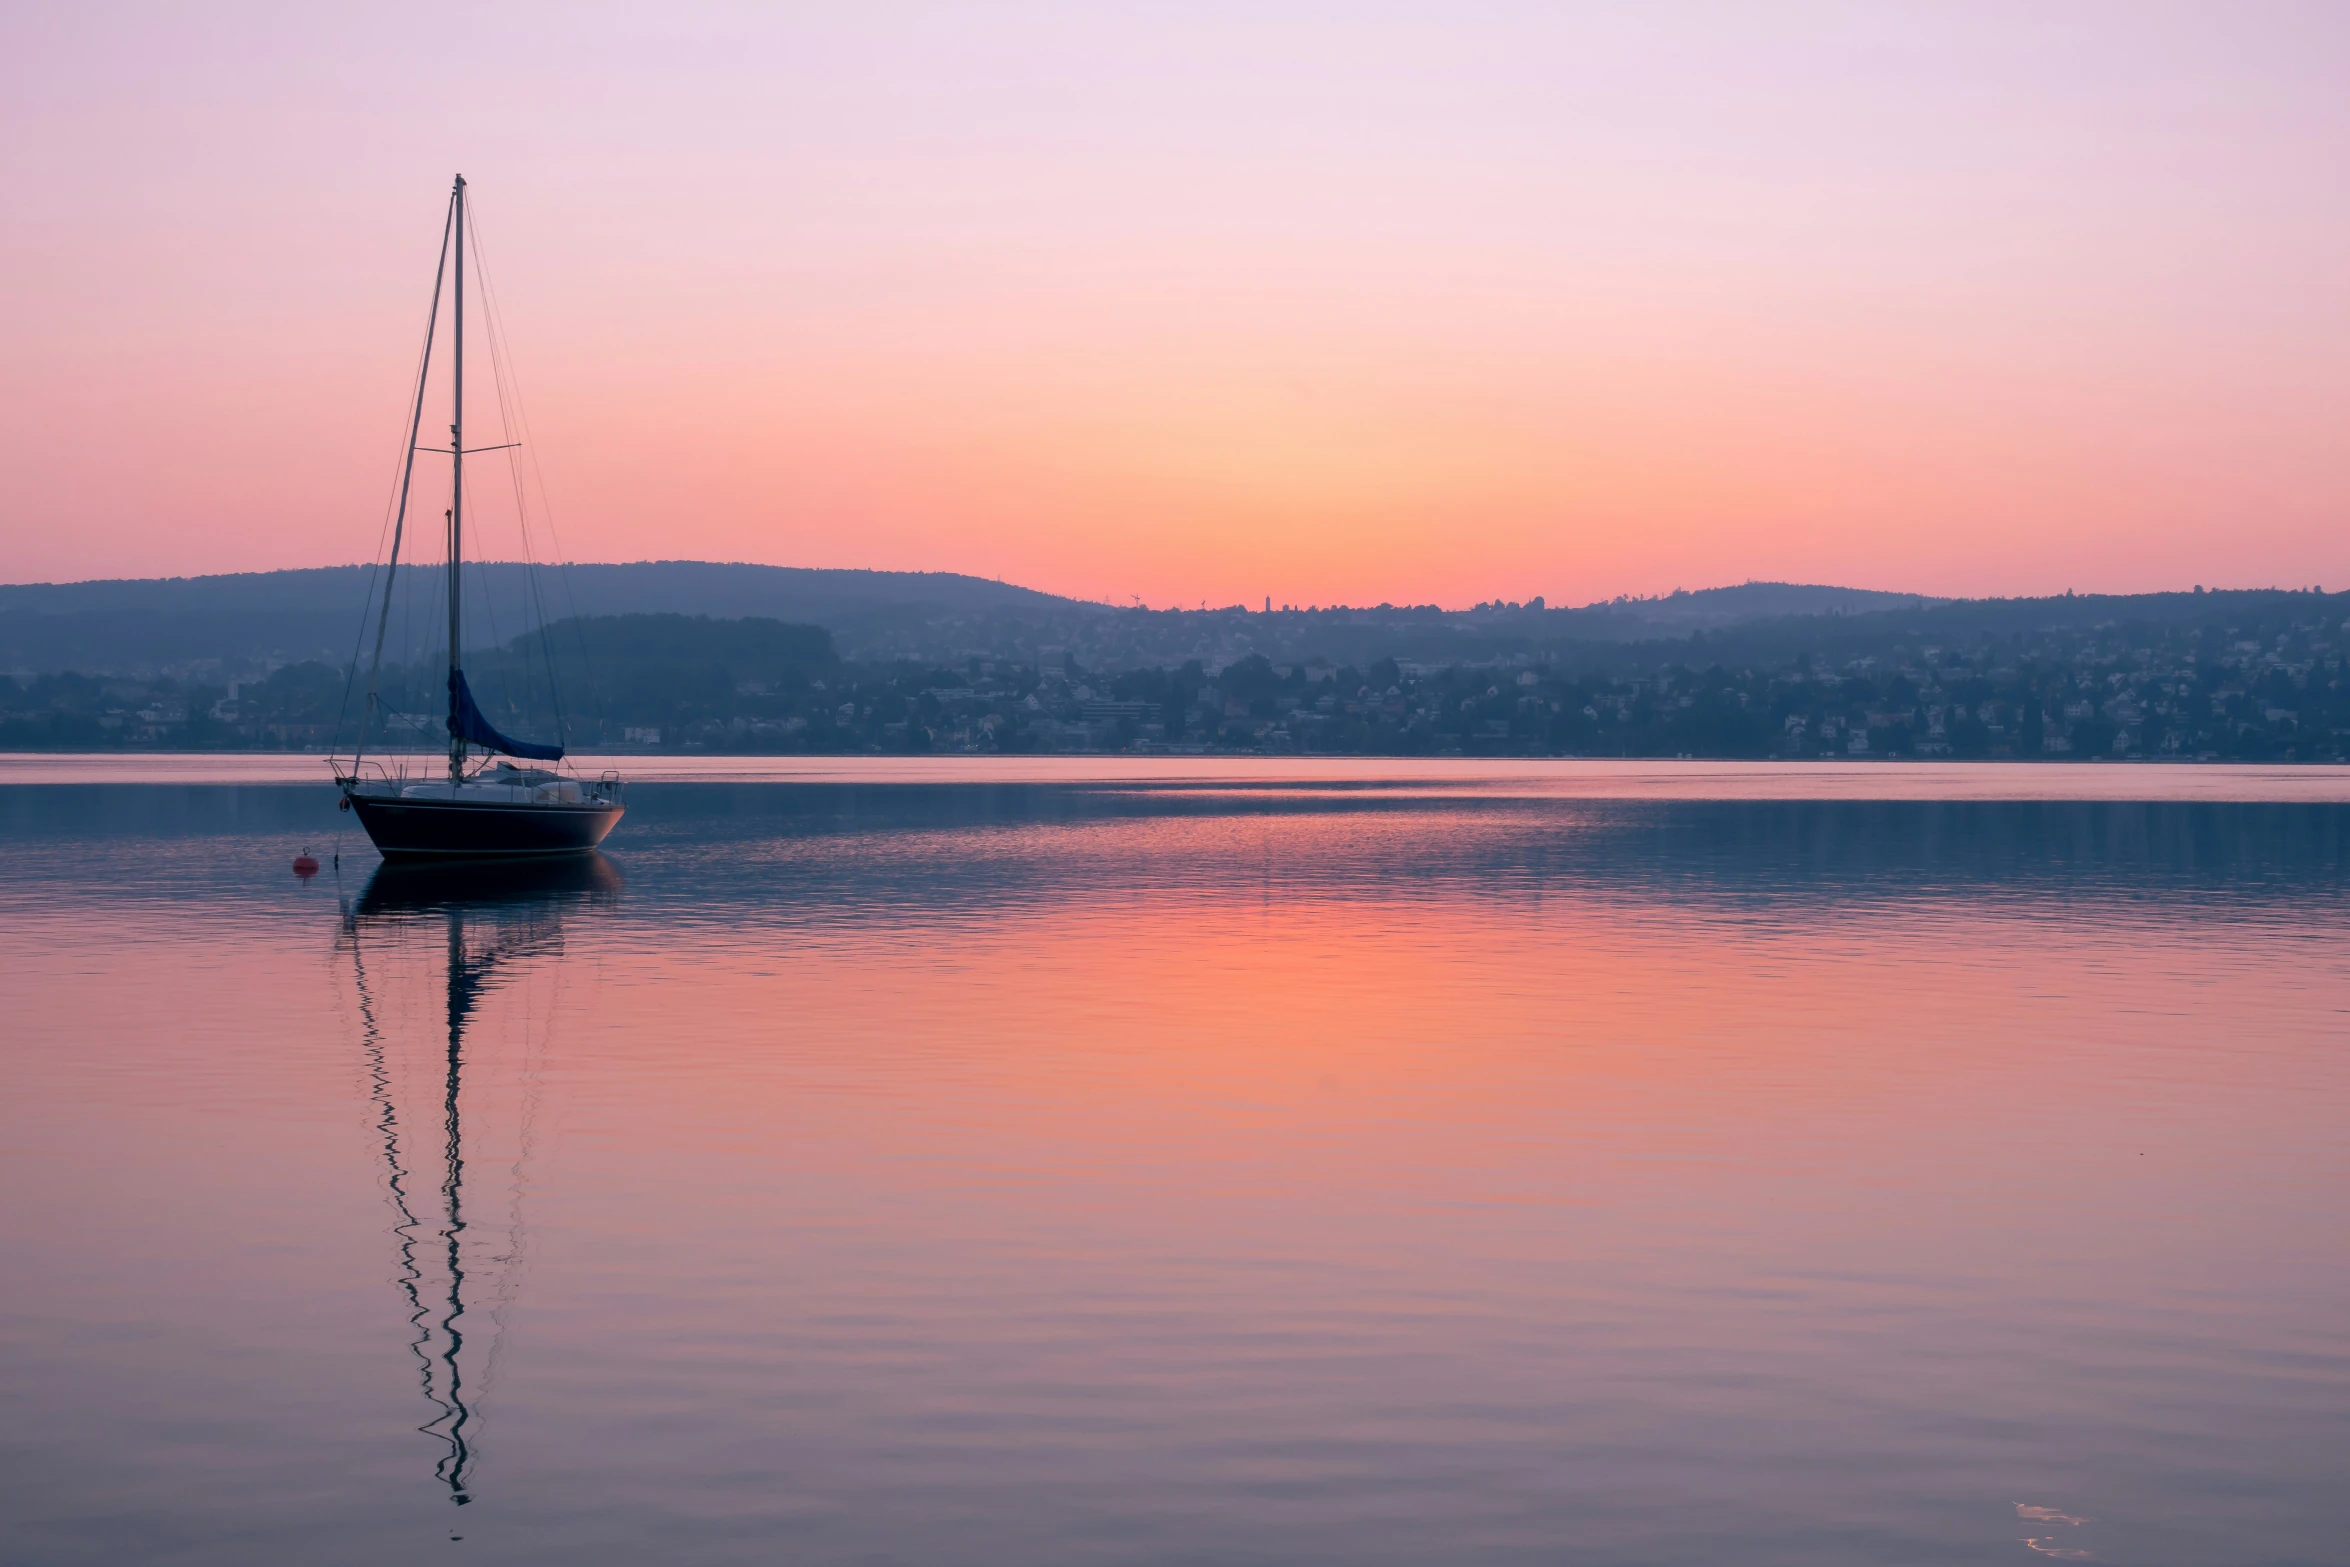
x=304 y=866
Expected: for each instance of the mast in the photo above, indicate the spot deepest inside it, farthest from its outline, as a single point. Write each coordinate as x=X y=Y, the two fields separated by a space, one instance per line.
x=456 y=483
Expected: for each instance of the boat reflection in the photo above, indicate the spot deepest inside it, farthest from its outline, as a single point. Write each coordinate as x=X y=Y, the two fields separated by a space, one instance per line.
x=489 y=926
x=396 y=889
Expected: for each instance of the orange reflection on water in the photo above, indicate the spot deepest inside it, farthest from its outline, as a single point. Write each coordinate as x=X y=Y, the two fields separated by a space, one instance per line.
x=1172 y=1161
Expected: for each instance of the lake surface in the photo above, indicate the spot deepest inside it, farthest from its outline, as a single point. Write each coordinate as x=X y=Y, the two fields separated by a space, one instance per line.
x=1065 y=1163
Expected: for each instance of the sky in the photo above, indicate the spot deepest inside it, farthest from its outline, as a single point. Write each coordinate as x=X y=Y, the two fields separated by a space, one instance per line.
x=1340 y=303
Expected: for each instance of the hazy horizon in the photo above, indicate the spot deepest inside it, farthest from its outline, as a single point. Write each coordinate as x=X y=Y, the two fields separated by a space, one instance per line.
x=1255 y=604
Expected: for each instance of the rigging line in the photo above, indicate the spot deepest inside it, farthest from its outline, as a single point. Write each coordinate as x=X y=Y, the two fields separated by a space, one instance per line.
x=500 y=352
x=534 y=598
x=509 y=396
x=489 y=609
x=367 y=601
x=395 y=520
x=501 y=355
x=546 y=499
x=504 y=676
x=351 y=670
x=408 y=669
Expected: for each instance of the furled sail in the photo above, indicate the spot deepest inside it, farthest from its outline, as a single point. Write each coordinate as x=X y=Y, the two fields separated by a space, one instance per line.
x=467 y=724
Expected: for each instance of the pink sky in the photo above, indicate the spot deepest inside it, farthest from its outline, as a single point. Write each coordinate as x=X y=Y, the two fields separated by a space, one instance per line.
x=1329 y=303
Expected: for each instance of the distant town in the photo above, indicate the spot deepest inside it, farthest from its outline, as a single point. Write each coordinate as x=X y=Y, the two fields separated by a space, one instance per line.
x=2246 y=676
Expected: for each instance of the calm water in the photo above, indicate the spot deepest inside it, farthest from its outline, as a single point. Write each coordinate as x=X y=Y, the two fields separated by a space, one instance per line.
x=1030 y=1168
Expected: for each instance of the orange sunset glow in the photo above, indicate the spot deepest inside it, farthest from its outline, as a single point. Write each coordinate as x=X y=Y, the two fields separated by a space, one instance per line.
x=1303 y=303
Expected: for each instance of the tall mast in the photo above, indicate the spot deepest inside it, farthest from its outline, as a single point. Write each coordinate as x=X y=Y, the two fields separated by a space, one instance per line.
x=457 y=486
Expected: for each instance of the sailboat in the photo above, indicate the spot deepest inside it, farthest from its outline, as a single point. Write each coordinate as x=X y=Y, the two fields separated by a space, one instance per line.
x=495 y=807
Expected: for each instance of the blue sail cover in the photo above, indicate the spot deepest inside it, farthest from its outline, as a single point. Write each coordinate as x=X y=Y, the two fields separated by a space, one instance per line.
x=467 y=724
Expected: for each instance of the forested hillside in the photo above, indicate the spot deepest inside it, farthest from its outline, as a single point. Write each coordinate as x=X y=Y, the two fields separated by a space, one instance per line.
x=2244 y=675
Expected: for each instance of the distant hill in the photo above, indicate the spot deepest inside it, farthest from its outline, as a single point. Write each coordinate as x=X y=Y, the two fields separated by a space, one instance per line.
x=2245 y=675
x=229 y=627
x=751 y=644
x=250 y=621
x=1705 y=607
x=691 y=587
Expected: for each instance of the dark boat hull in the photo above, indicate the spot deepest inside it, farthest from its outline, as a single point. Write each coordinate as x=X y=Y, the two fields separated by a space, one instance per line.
x=453 y=829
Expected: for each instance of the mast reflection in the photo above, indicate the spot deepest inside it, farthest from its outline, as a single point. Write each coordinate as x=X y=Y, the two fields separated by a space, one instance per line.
x=497 y=922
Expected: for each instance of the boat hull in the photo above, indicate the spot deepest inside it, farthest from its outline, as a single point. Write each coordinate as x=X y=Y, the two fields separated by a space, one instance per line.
x=482 y=829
